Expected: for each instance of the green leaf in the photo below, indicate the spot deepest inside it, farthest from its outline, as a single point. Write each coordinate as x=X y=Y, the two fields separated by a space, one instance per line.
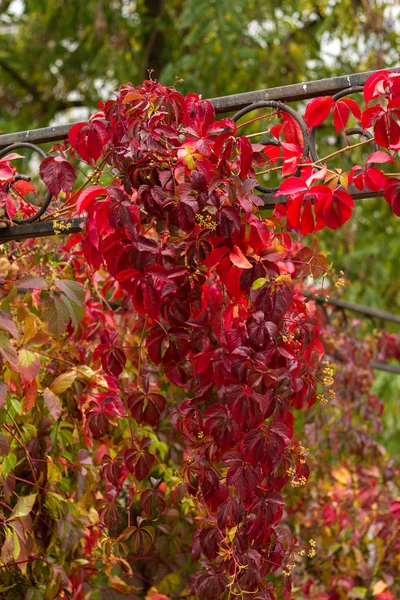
x=9 y=462
x=170 y=584
x=8 y=299
x=5 y=588
x=358 y=592
x=142 y=539
x=16 y=405
x=74 y=291
x=76 y=311
x=258 y=283
x=56 y=315
x=23 y=506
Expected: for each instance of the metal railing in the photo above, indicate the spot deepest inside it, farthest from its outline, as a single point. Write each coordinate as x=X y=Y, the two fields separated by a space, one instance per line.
x=277 y=98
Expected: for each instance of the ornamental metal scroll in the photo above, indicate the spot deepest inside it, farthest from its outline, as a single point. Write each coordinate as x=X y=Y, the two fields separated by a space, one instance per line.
x=47 y=199
x=348 y=132
x=280 y=107
x=309 y=140
x=39 y=224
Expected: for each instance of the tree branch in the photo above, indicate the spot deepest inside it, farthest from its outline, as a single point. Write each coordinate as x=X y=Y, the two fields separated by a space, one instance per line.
x=22 y=82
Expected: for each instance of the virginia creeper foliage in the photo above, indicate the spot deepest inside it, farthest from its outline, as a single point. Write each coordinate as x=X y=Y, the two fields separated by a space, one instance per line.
x=154 y=364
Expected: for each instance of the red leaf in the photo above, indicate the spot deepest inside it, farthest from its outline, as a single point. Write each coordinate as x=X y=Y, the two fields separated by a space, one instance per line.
x=238 y=259
x=6 y=172
x=375 y=85
x=58 y=174
x=317 y=110
x=353 y=106
x=232 y=281
x=215 y=256
x=153 y=500
x=24 y=187
x=370 y=114
x=307 y=224
x=88 y=139
x=146 y=408
x=340 y=116
x=139 y=462
x=381 y=133
x=300 y=215
x=88 y=195
x=292 y=186
x=375 y=179
x=154 y=343
x=113 y=361
x=241 y=474
x=394 y=134
x=392 y=194
x=379 y=157
x=341 y=111
x=152 y=300
x=338 y=209
x=245 y=156
x=291 y=130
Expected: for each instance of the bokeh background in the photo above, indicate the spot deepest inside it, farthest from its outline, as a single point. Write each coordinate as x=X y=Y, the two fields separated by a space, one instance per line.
x=59 y=57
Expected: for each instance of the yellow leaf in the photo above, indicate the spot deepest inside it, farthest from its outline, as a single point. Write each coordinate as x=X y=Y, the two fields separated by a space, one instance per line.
x=85 y=373
x=4 y=267
x=29 y=328
x=23 y=506
x=342 y=475
x=120 y=586
x=17 y=546
x=379 y=587
x=63 y=381
x=53 y=473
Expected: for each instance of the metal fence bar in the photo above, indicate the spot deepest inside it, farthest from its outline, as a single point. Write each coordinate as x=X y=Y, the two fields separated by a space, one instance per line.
x=286 y=93
x=375 y=313
x=367 y=312
x=293 y=92
x=40 y=229
x=383 y=367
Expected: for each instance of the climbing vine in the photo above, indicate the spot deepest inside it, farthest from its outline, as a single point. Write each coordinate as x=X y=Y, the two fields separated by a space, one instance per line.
x=154 y=365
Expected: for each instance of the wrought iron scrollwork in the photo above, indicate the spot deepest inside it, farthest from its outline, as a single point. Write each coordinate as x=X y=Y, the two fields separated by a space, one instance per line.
x=280 y=107
x=348 y=132
x=47 y=200
x=309 y=136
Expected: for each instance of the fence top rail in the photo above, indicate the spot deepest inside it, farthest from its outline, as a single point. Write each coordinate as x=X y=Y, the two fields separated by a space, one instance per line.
x=222 y=104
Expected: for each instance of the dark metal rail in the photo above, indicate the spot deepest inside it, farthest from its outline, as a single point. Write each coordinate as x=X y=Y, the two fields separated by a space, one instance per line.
x=274 y=99
x=373 y=313
x=41 y=229
x=377 y=366
x=222 y=104
x=366 y=311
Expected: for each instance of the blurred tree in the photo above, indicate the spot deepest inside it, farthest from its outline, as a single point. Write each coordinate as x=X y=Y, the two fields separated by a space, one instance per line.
x=59 y=54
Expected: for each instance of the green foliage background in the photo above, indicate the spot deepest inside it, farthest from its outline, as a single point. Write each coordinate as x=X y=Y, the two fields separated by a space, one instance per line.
x=59 y=57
